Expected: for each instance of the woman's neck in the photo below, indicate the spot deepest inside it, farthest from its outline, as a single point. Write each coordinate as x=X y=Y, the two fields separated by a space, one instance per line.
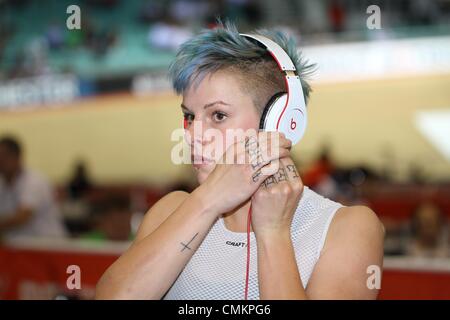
x=236 y=220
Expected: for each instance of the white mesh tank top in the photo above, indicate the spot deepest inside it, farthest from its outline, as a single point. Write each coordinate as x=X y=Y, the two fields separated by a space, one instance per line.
x=217 y=269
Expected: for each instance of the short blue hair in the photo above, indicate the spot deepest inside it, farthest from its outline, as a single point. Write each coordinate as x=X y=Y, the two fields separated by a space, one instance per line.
x=223 y=48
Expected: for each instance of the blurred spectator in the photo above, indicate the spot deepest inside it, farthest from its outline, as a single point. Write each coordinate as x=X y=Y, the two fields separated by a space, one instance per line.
x=27 y=204
x=111 y=219
x=416 y=173
x=80 y=184
x=102 y=40
x=55 y=36
x=167 y=34
x=336 y=14
x=151 y=11
x=312 y=16
x=189 y=11
x=36 y=62
x=320 y=171
x=429 y=232
x=5 y=34
x=396 y=236
x=105 y=4
x=248 y=11
x=76 y=203
x=422 y=12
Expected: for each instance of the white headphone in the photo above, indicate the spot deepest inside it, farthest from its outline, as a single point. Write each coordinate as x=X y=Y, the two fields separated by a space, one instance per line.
x=285 y=112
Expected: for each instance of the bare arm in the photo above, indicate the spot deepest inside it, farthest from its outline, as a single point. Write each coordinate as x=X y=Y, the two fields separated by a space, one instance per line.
x=352 y=250
x=274 y=207
x=151 y=265
x=153 y=262
x=278 y=273
x=354 y=243
x=19 y=218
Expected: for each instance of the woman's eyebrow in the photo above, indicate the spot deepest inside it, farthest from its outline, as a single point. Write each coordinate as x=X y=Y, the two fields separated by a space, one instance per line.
x=215 y=102
x=185 y=108
x=207 y=105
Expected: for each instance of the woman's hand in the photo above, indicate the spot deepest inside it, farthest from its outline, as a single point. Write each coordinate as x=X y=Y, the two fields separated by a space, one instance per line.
x=230 y=185
x=275 y=201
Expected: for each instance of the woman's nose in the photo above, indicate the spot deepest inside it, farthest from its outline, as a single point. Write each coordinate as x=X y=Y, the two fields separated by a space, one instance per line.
x=196 y=133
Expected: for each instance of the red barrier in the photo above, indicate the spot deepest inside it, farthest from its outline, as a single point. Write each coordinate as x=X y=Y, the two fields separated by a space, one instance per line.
x=43 y=274
x=414 y=285
x=39 y=270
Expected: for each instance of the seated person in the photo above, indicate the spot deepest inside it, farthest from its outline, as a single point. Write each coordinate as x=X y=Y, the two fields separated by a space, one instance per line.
x=27 y=204
x=111 y=220
x=428 y=228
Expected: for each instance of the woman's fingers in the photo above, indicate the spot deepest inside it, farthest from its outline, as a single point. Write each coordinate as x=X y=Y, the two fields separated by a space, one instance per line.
x=270 y=146
x=266 y=171
x=290 y=167
x=279 y=171
x=260 y=154
x=263 y=158
x=271 y=141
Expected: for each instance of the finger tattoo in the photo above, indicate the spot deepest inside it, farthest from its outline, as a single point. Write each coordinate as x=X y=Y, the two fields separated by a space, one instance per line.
x=270 y=180
x=293 y=169
x=254 y=152
x=256 y=175
x=281 y=175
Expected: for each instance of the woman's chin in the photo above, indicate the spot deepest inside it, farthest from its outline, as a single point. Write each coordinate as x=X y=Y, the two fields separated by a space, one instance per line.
x=203 y=173
x=202 y=176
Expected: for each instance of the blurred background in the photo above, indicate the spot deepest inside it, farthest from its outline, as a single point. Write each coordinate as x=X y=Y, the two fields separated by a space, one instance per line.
x=86 y=117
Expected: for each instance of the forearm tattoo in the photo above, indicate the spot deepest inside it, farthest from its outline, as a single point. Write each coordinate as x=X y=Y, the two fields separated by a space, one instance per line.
x=186 y=246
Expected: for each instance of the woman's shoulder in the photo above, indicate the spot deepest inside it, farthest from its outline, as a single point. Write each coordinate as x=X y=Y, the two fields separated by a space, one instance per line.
x=357 y=216
x=312 y=198
x=353 y=223
x=338 y=221
x=159 y=212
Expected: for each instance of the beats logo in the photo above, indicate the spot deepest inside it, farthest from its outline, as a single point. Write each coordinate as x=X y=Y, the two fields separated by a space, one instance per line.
x=293 y=124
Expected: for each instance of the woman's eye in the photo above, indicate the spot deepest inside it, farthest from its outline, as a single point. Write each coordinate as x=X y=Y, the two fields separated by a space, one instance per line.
x=219 y=116
x=188 y=117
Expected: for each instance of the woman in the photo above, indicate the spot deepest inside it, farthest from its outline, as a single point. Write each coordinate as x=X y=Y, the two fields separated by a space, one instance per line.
x=193 y=246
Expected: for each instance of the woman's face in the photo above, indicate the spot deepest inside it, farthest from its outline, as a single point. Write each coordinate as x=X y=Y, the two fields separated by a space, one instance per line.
x=216 y=103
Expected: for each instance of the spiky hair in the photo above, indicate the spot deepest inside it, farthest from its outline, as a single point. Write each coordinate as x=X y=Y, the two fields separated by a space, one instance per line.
x=223 y=48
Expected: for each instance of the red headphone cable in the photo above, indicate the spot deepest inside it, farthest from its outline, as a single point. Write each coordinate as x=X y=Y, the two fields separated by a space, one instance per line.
x=249 y=222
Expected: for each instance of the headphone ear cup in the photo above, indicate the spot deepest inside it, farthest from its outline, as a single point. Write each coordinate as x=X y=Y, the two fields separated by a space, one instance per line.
x=291 y=121
x=272 y=110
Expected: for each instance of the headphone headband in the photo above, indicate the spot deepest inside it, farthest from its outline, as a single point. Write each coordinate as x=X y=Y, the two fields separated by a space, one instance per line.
x=280 y=56
x=292 y=118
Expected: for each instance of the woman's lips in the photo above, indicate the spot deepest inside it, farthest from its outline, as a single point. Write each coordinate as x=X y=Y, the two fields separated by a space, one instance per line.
x=199 y=161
